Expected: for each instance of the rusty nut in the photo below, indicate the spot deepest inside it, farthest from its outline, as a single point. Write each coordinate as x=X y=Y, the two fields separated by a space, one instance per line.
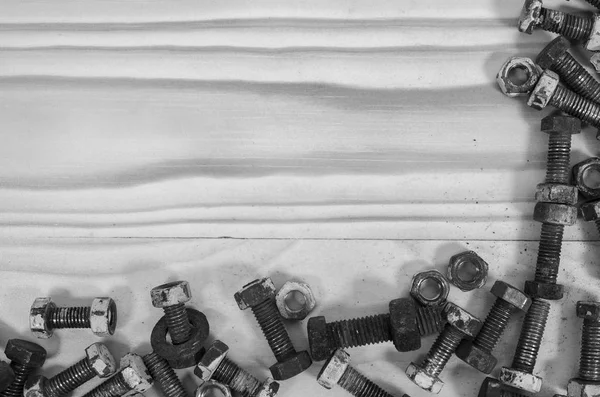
x=289 y=288
x=468 y=258
x=38 y=317
x=556 y=193
x=508 y=86
x=418 y=283
x=208 y=388
x=581 y=174
x=103 y=316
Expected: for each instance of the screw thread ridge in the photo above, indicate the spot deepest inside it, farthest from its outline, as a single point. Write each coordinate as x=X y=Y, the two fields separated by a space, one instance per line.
x=236 y=378
x=548 y=258
x=589 y=360
x=270 y=323
x=595 y=3
x=70 y=317
x=578 y=78
x=178 y=323
x=164 y=375
x=558 y=168
x=531 y=336
x=430 y=320
x=359 y=385
x=21 y=373
x=573 y=27
x=360 y=331
x=441 y=350
x=576 y=105
x=70 y=379
x=113 y=387
x=494 y=325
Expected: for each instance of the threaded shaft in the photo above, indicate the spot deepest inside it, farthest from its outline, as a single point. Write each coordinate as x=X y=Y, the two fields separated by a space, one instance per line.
x=531 y=336
x=358 y=385
x=430 y=320
x=236 y=378
x=595 y=3
x=16 y=387
x=70 y=379
x=577 y=77
x=494 y=325
x=178 y=323
x=360 y=331
x=573 y=27
x=576 y=105
x=161 y=372
x=270 y=323
x=548 y=259
x=589 y=361
x=558 y=169
x=70 y=317
x=113 y=387
x=441 y=350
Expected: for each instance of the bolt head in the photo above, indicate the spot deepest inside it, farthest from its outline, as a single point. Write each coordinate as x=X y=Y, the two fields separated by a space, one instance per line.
x=477 y=358
x=459 y=260
x=553 y=53
x=403 y=325
x=588 y=310
x=552 y=292
x=555 y=214
x=171 y=294
x=101 y=360
x=135 y=373
x=255 y=292
x=209 y=362
x=490 y=387
x=556 y=193
x=25 y=353
x=318 y=340
x=507 y=86
x=333 y=369
x=512 y=295
x=520 y=380
x=530 y=16
x=544 y=90
x=590 y=210
x=423 y=379
x=34 y=387
x=560 y=124
x=103 y=316
x=462 y=320
x=291 y=367
x=581 y=388
x=269 y=388
x=38 y=317
x=420 y=278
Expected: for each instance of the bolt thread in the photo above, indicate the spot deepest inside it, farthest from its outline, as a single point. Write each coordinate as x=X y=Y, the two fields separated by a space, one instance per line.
x=70 y=379
x=441 y=350
x=358 y=385
x=270 y=323
x=573 y=27
x=113 y=387
x=161 y=372
x=178 y=323
x=531 y=336
x=548 y=259
x=16 y=387
x=430 y=320
x=558 y=169
x=577 y=77
x=70 y=317
x=576 y=105
x=360 y=331
x=494 y=325
x=589 y=361
x=595 y=3
x=236 y=378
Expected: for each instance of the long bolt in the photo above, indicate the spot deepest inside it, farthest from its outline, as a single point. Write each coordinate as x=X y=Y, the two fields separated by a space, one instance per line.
x=239 y=380
x=25 y=357
x=531 y=336
x=138 y=379
x=171 y=297
x=574 y=105
x=589 y=361
x=494 y=325
x=441 y=350
x=164 y=375
x=269 y=320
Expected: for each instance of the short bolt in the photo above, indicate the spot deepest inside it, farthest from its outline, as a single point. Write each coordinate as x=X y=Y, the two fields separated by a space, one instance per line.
x=171 y=297
x=133 y=376
x=337 y=371
x=164 y=375
x=25 y=358
x=589 y=361
x=493 y=388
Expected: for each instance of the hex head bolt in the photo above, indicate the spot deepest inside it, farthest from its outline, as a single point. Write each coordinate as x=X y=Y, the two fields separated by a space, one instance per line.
x=215 y=365
x=133 y=376
x=404 y=325
x=493 y=388
x=337 y=371
x=461 y=324
x=164 y=375
x=588 y=382
x=259 y=296
x=25 y=358
x=478 y=353
x=171 y=297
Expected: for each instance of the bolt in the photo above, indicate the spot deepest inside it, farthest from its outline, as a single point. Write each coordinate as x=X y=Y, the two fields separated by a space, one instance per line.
x=133 y=376
x=259 y=296
x=589 y=361
x=25 y=358
x=492 y=388
x=337 y=371
x=171 y=297
x=404 y=325
x=163 y=373
x=478 y=353
x=7 y=375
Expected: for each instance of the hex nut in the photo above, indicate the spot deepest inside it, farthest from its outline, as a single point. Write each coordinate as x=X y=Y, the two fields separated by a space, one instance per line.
x=38 y=317
x=530 y=16
x=593 y=43
x=171 y=294
x=254 y=293
x=588 y=310
x=555 y=214
x=291 y=287
x=590 y=210
x=580 y=171
x=462 y=320
x=560 y=124
x=209 y=362
x=507 y=86
x=417 y=283
x=546 y=291
x=520 y=380
x=477 y=358
x=34 y=387
x=292 y=366
x=403 y=325
x=581 y=388
x=553 y=52
x=424 y=380
x=101 y=360
x=512 y=295
x=333 y=369
x=464 y=258
x=544 y=90
x=103 y=316
x=135 y=373
x=25 y=353
x=556 y=193
x=269 y=388
x=206 y=389
x=318 y=340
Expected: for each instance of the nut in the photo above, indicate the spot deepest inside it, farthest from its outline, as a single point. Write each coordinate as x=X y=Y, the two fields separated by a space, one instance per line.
x=588 y=310
x=556 y=193
x=334 y=368
x=418 y=282
x=581 y=173
x=560 y=124
x=101 y=360
x=170 y=294
x=530 y=16
x=423 y=379
x=590 y=210
x=463 y=259
x=403 y=325
x=593 y=43
x=462 y=320
x=477 y=358
x=38 y=317
x=255 y=292
x=103 y=316
x=135 y=373
x=581 y=388
x=507 y=86
x=211 y=360
x=553 y=53
x=546 y=291
x=289 y=288
x=544 y=90
x=318 y=340
x=269 y=388
x=34 y=387
x=292 y=366
x=520 y=380
x=512 y=295
x=207 y=389
x=25 y=353
x=555 y=214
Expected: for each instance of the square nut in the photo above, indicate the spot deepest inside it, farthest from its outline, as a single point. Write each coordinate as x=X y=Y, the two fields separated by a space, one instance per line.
x=556 y=193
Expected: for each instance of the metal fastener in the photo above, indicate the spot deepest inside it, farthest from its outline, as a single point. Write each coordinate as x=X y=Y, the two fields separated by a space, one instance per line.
x=588 y=381
x=172 y=297
x=583 y=173
x=7 y=376
x=208 y=388
x=25 y=357
x=457 y=265
x=259 y=296
x=291 y=287
x=493 y=388
x=420 y=280
x=164 y=375
x=133 y=376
